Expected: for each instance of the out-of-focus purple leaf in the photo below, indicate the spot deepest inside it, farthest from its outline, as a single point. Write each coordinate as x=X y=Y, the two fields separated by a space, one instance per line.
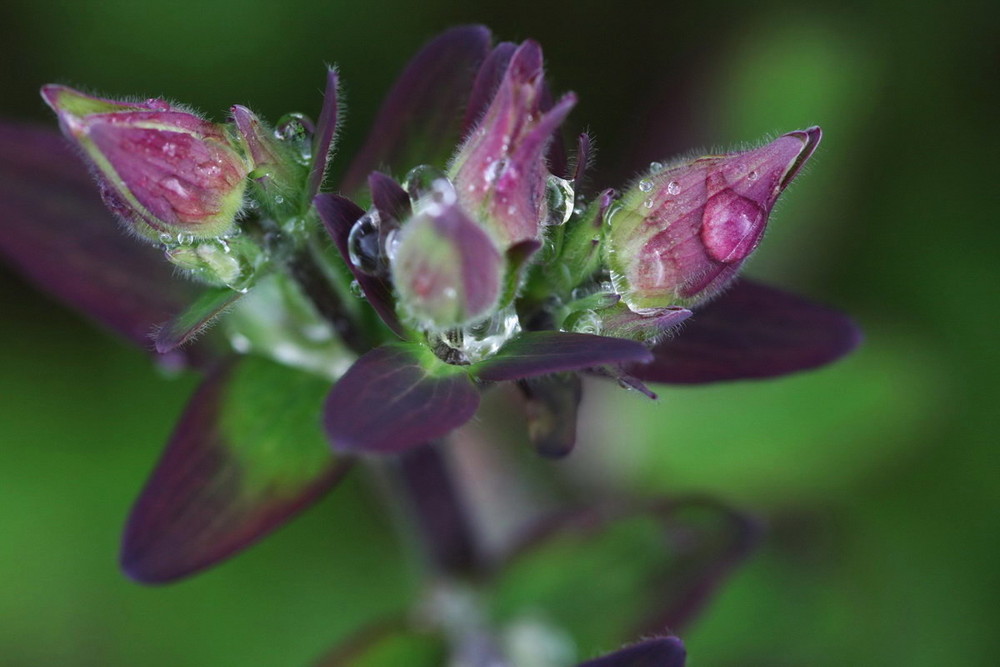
x=659 y=652
x=326 y=132
x=338 y=215
x=656 y=567
x=437 y=509
x=247 y=454
x=420 y=121
x=751 y=331
x=551 y=404
x=56 y=231
x=487 y=81
x=541 y=352
x=195 y=319
x=388 y=402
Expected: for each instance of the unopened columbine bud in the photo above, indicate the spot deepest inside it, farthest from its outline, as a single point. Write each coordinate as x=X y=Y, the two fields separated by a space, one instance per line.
x=162 y=169
x=680 y=234
x=446 y=270
x=500 y=173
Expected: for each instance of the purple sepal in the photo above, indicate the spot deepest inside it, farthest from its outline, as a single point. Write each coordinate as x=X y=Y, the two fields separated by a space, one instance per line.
x=423 y=111
x=338 y=215
x=551 y=404
x=388 y=402
x=219 y=487
x=326 y=132
x=390 y=200
x=59 y=235
x=620 y=322
x=541 y=352
x=659 y=652
x=195 y=319
x=751 y=331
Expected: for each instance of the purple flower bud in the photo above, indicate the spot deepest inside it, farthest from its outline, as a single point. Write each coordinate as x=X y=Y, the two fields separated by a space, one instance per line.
x=162 y=169
x=680 y=234
x=500 y=173
x=446 y=269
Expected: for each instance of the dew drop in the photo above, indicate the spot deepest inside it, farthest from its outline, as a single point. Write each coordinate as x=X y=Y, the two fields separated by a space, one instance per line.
x=645 y=185
x=296 y=130
x=648 y=203
x=753 y=175
x=363 y=243
x=655 y=166
x=673 y=188
x=356 y=290
x=560 y=200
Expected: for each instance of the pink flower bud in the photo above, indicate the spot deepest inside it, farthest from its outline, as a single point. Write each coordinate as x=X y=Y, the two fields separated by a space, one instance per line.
x=500 y=173
x=162 y=169
x=680 y=235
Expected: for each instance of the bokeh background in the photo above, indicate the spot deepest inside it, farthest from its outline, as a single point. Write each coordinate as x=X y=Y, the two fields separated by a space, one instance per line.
x=877 y=476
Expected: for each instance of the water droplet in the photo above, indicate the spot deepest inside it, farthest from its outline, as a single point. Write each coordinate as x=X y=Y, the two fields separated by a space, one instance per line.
x=612 y=211
x=673 y=188
x=648 y=203
x=356 y=289
x=560 y=200
x=585 y=321
x=296 y=130
x=753 y=175
x=166 y=239
x=645 y=185
x=239 y=343
x=279 y=200
x=655 y=166
x=420 y=180
x=484 y=338
x=391 y=245
x=363 y=243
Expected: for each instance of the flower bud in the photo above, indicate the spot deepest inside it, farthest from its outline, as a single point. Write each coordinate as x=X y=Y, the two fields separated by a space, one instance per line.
x=500 y=173
x=680 y=235
x=446 y=270
x=162 y=169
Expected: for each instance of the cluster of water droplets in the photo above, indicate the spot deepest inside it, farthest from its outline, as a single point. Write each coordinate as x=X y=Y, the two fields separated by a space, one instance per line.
x=225 y=260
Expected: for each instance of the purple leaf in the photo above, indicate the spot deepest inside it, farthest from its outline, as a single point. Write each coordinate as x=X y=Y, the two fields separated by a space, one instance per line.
x=326 y=132
x=421 y=118
x=540 y=352
x=338 y=215
x=247 y=454
x=659 y=652
x=551 y=404
x=388 y=402
x=583 y=151
x=752 y=331
x=199 y=316
x=57 y=233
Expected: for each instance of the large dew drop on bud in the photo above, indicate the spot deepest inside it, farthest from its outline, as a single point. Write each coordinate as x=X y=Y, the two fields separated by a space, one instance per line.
x=680 y=235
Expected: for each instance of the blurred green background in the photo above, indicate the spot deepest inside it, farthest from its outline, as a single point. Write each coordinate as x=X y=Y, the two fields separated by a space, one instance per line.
x=877 y=476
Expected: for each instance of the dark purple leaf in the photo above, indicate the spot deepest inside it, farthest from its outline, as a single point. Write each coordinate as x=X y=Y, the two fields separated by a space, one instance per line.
x=338 y=215
x=487 y=81
x=388 y=402
x=751 y=331
x=660 y=652
x=195 y=319
x=326 y=132
x=420 y=120
x=247 y=454
x=551 y=404
x=56 y=231
x=540 y=352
